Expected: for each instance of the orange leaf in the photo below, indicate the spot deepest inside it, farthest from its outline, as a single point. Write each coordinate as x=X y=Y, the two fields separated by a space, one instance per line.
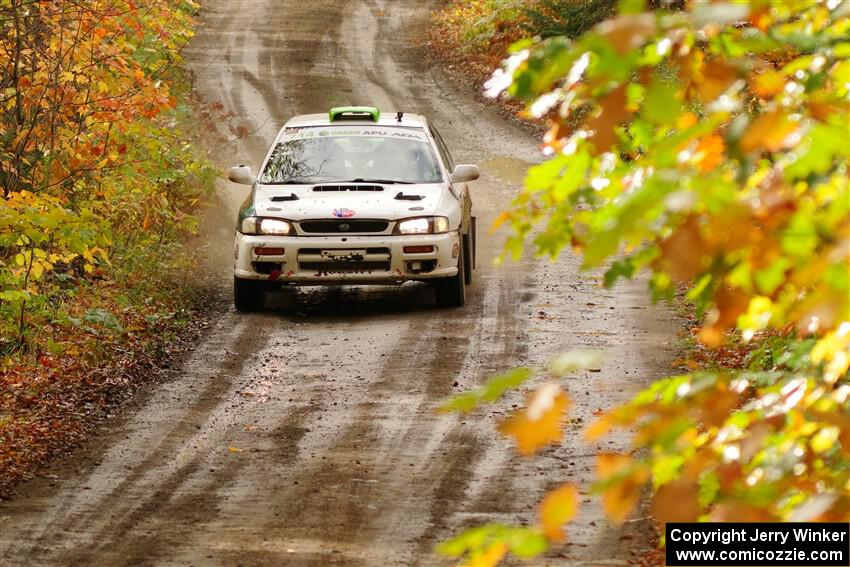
x=597 y=429
x=717 y=76
x=625 y=482
x=628 y=32
x=609 y=464
x=709 y=153
x=723 y=401
x=740 y=512
x=729 y=303
x=558 y=508
x=760 y=17
x=541 y=422
x=676 y=502
x=503 y=217
x=686 y=120
x=767 y=84
x=772 y=131
x=613 y=111
x=683 y=253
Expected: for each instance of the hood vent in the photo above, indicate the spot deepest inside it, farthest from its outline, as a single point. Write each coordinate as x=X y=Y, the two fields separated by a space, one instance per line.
x=279 y=198
x=403 y=197
x=348 y=188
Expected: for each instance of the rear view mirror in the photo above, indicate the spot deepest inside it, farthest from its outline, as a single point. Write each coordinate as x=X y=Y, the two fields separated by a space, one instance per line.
x=241 y=174
x=465 y=172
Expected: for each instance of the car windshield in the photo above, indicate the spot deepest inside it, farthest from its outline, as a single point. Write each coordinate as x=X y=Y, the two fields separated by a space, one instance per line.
x=327 y=156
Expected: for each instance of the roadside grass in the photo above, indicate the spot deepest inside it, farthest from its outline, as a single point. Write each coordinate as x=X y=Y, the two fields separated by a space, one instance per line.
x=471 y=37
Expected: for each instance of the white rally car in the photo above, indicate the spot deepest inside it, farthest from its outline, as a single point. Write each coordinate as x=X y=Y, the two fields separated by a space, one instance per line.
x=354 y=197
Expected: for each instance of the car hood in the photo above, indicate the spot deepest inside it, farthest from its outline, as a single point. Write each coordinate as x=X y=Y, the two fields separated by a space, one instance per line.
x=350 y=200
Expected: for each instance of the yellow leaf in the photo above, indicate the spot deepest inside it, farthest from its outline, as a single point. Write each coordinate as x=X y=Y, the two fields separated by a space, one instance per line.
x=558 y=508
x=541 y=422
x=490 y=557
x=235 y=449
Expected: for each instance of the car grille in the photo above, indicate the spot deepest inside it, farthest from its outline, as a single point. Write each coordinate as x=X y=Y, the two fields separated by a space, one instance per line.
x=374 y=260
x=334 y=226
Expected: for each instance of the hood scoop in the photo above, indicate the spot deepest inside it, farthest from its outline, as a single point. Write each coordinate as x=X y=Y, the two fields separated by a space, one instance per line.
x=372 y=188
x=279 y=198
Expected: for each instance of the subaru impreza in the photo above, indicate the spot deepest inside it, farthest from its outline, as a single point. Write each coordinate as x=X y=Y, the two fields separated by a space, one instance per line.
x=355 y=197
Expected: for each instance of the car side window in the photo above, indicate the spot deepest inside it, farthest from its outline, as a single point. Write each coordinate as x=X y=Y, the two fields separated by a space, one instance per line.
x=444 y=151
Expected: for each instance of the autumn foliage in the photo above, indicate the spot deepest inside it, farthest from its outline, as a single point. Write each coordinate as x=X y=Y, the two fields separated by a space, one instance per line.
x=708 y=146
x=98 y=187
x=82 y=156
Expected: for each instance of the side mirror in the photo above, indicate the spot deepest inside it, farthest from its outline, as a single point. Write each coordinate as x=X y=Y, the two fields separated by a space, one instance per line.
x=241 y=174
x=464 y=173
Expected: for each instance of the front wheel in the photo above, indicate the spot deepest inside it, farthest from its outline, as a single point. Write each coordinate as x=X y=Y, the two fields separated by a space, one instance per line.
x=249 y=295
x=451 y=291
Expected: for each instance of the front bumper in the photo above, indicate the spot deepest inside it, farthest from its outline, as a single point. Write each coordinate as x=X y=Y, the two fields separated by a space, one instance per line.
x=317 y=260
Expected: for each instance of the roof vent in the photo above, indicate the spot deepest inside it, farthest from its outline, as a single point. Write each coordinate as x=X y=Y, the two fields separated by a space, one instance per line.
x=354 y=113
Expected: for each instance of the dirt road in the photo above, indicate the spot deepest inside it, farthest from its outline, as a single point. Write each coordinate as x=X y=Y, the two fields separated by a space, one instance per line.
x=306 y=435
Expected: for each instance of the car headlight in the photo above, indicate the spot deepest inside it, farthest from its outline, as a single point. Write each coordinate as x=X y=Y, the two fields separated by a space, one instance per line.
x=423 y=225
x=256 y=225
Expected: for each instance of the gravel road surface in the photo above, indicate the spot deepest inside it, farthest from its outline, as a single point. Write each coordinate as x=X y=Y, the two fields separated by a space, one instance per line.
x=306 y=434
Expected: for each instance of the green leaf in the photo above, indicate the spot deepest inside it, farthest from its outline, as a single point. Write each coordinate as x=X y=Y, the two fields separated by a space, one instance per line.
x=800 y=239
x=772 y=277
x=490 y=392
x=521 y=541
x=573 y=175
x=103 y=318
x=661 y=106
x=819 y=149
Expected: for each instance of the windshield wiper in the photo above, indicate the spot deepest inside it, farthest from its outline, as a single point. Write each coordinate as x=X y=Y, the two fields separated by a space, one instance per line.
x=383 y=181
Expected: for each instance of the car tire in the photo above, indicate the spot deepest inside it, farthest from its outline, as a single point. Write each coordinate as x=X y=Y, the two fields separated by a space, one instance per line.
x=249 y=295
x=451 y=291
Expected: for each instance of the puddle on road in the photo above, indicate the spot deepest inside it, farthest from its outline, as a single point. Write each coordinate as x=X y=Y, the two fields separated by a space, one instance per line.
x=508 y=169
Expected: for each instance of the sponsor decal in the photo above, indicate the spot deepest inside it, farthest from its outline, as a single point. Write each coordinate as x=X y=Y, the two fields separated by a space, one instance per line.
x=343 y=213
x=312 y=132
